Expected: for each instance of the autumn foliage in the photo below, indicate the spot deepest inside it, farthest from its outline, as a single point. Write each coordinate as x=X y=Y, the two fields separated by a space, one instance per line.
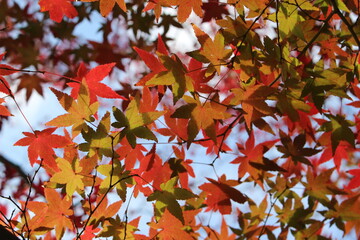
x=253 y=133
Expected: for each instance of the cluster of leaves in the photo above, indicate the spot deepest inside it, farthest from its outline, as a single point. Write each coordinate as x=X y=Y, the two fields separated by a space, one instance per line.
x=257 y=96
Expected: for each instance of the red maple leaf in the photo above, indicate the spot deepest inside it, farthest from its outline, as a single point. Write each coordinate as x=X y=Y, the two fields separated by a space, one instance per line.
x=355 y=181
x=93 y=78
x=41 y=144
x=4 y=71
x=253 y=154
x=3 y=110
x=152 y=62
x=213 y=9
x=89 y=233
x=58 y=8
x=220 y=193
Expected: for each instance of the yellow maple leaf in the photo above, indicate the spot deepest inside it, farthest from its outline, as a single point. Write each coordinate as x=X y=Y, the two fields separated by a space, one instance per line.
x=68 y=176
x=79 y=111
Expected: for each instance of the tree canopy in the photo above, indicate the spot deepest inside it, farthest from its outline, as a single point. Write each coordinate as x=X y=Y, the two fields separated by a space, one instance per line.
x=252 y=133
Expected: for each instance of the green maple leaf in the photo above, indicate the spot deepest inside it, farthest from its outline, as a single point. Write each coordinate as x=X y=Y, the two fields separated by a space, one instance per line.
x=175 y=76
x=340 y=130
x=321 y=186
x=167 y=197
x=115 y=174
x=118 y=230
x=100 y=141
x=69 y=176
x=134 y=122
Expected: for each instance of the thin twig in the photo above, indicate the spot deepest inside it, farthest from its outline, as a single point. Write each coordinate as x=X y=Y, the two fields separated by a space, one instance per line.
x=270 y=209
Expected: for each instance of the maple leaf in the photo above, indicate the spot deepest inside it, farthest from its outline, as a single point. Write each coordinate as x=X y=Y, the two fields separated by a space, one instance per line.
x=150 y=60
x=103 y=210
x=340 y=130
x=222 y=134
x=347 y=211
x=175 y=76
x=220 y=193
x=295 y=149
x=79 y=112
x=253 y=102
x=165 y=70
x=58 y=8
x=115 y=174
x=212 y=51
x=131 y=155
x=253 y=158
x=202 y=116
x=105 y=52
x=93 y=78
x=156 y=6
x=185 y=7
x=181 y=167
x=54 y=213
x=175 y=127
x=170 y=226
x=356 y=92
x=152 y=170
x=3 y=110
x=223 y=234
x=134 y=122
x=198 y=74
x=100 y=142
x=258 y=213
x=41 y=144
x=342 y=151
x=214 y=10
x=6 y=69
x=118 y=229
x=89 y=233
x=329 y=47
x=167 y=197
x=355 y=181
x=4 y=86
x=320 y=186
x=107 y=5
x=30 y=83
x=69 y=176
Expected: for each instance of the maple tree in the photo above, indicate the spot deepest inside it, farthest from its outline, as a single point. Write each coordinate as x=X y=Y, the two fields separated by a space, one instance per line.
x=253 y=133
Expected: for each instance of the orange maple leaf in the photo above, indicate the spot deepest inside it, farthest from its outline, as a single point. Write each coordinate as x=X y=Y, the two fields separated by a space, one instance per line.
x=222 y=234
x=58 y=8
x=185 y=8
x=156 y=5
x=54 y=213
x=41 y=144
x=107 y=5
x=170 y=227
